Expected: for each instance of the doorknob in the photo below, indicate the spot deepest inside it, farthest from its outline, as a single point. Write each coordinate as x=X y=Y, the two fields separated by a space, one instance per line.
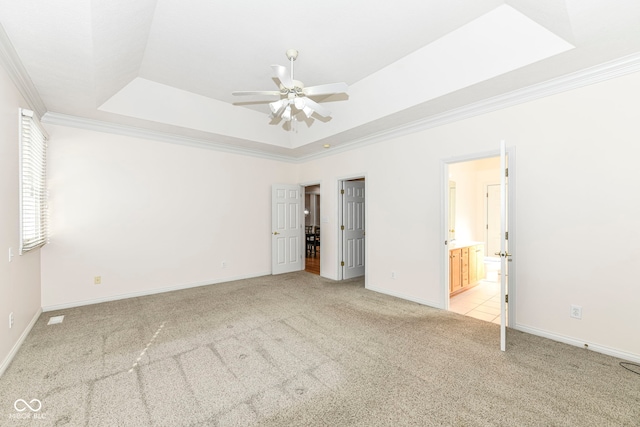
x=275 y=232
x=502 y=254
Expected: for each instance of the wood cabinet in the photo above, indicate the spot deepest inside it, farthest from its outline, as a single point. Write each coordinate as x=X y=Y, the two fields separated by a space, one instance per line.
x=454 y=270
x=466 y=267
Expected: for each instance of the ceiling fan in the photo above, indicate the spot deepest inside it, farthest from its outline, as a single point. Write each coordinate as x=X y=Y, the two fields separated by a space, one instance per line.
x=294 y=97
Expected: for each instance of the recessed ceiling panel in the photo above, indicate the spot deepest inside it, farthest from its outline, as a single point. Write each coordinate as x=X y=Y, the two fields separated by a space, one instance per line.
x=213 y=48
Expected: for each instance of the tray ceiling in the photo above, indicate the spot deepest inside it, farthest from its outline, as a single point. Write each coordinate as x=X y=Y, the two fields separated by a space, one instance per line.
x=169 y=67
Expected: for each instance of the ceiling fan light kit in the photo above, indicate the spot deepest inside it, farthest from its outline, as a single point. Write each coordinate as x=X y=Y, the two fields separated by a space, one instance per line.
x=294 y=96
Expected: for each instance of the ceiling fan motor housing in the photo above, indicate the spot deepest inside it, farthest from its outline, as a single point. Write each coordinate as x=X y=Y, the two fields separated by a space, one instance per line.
x=296 y=90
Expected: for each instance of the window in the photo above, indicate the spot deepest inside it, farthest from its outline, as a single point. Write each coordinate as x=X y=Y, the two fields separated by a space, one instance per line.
x=33 y=183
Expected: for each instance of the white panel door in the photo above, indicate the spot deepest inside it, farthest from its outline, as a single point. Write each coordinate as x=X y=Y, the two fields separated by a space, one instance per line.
x=504 y=246
x=353 y=233
x=286 y=228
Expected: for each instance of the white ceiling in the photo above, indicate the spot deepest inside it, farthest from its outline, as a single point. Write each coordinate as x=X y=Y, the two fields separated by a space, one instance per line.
x=169 y=67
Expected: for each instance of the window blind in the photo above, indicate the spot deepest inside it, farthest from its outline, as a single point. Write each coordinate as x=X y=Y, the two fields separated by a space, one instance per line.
x=33 y=183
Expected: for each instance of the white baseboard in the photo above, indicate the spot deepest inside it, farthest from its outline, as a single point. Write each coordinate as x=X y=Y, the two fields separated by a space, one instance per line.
x=7 y=360
x=149 y=292
x=405 y=297
x=534 y=331
x=579 y=343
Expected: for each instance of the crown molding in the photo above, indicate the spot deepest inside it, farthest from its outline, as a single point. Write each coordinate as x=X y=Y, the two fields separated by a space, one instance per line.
x=599 y=73
x=609 y=70
x=11 y=62
x=132 y=131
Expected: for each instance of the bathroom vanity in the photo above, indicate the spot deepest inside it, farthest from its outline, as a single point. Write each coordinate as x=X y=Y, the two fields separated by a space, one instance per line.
x=466 y=266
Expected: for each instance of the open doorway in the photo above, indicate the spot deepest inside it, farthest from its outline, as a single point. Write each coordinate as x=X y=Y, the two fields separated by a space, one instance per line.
x=473 y=230
x=312 y=228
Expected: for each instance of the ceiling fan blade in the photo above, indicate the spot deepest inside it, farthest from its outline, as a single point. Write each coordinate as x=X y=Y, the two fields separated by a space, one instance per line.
x=326 y=89
x=282 y=75
x=256 y=92
x=324 y=112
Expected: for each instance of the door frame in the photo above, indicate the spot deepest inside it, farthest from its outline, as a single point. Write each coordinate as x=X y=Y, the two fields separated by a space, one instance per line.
x=444 y=220
x=339 y=215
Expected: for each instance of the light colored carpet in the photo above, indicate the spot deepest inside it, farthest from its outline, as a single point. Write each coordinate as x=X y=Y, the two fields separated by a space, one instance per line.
x=300 y=350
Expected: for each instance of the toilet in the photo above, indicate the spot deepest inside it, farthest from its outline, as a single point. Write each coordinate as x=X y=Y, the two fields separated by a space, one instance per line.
x=492 y=269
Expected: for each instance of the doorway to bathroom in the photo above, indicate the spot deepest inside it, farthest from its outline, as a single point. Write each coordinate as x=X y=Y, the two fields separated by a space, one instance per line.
x=474 y=236
x=478 y=212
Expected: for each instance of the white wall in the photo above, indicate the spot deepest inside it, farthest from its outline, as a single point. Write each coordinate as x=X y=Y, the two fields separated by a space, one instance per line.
x=578 y=213
x=20 y=278
x=149 y=216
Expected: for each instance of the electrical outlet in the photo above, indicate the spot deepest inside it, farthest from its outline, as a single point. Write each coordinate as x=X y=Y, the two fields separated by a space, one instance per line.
x=576 y=311
x=97 y=280
x=224 y=264
x=10 y=254
x=393 y=274
x=10 y=320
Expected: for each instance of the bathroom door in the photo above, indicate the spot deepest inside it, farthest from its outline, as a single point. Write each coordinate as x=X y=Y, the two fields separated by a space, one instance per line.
x=504 y=246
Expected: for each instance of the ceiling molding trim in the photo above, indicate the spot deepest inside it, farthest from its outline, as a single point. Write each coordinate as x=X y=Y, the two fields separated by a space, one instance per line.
x=609 y=70
x=599 y=73
x=132 y=131
x=11 y=62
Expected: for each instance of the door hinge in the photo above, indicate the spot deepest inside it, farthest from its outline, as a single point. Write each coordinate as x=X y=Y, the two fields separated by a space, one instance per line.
x=506 y=235
x=341 y=263
x=506 y=172
x=342 y=227
x=342 y=191
x=506 y=298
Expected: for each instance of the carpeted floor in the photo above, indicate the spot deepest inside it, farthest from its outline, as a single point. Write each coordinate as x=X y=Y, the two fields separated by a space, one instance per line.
x=300 y=350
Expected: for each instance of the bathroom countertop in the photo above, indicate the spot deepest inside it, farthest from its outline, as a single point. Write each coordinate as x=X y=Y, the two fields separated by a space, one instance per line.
x=463 y=244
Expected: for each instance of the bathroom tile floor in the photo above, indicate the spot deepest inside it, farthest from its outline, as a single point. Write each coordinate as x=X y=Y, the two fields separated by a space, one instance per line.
x=481 y=302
